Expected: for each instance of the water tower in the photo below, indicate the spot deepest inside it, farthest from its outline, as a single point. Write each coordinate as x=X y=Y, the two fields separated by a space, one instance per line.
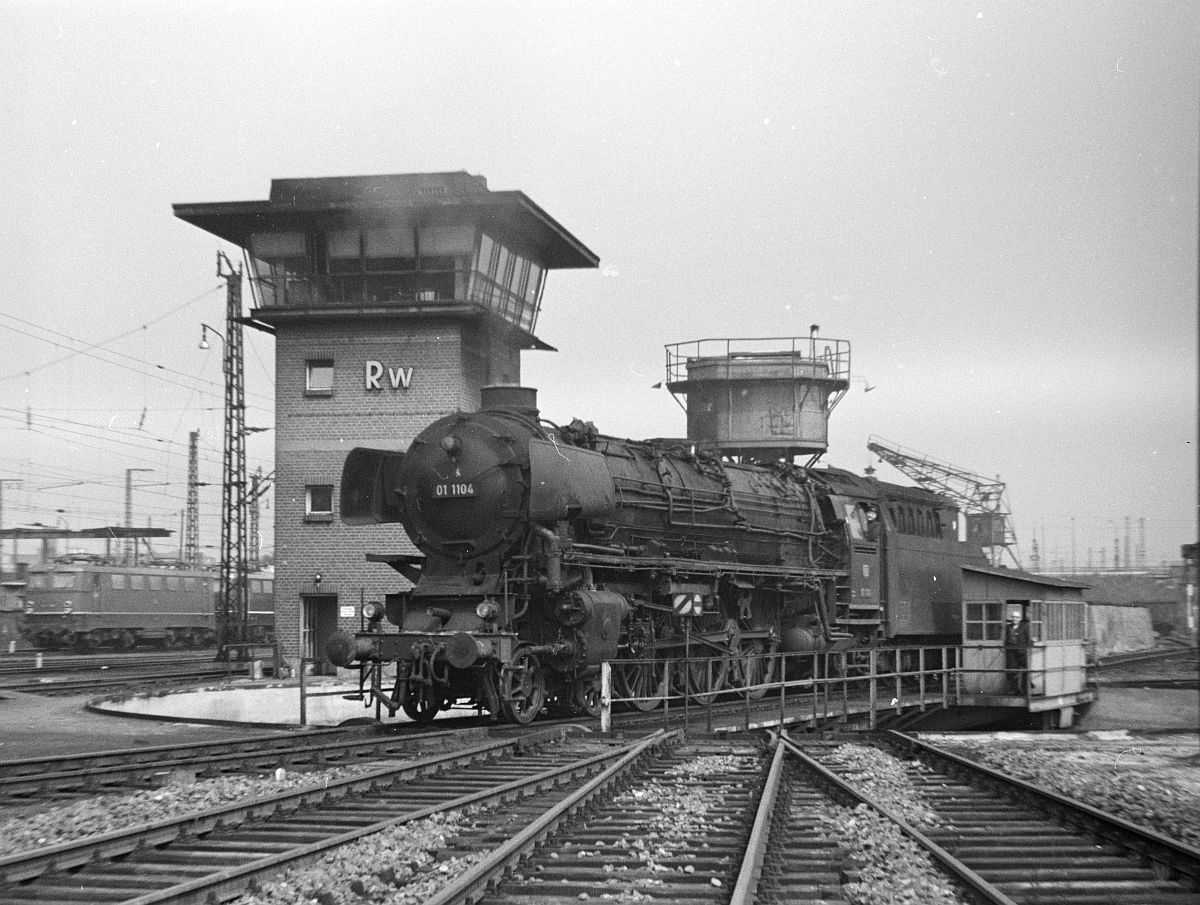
x=760 y=399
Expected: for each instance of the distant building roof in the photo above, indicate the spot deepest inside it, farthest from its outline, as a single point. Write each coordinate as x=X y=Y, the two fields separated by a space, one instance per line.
x=50 y=532
x=1130 y=590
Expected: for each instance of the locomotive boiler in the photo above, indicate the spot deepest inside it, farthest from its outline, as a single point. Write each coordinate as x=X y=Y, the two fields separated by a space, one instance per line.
x=547 y=550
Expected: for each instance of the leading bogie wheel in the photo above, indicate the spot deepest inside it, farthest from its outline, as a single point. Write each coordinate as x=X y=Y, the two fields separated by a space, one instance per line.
x=422 y=704
x=587 y=696
x=526 y=691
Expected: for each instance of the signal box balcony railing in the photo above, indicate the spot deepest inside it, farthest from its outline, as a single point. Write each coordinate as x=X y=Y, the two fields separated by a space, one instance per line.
x=403 y=290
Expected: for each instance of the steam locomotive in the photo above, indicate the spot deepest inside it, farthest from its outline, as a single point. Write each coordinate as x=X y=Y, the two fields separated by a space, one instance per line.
x=548 y=550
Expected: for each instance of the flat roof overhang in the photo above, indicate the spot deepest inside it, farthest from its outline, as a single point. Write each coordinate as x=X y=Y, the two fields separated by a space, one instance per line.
x=511 y=215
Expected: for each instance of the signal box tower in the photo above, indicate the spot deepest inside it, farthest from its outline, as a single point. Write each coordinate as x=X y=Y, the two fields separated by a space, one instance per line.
x=393 y=300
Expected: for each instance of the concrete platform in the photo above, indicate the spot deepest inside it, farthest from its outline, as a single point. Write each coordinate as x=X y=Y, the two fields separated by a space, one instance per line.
x=274 y=705
x=37 y=726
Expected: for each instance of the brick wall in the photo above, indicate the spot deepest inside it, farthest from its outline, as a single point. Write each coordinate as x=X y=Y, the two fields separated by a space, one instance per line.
x=313 y=434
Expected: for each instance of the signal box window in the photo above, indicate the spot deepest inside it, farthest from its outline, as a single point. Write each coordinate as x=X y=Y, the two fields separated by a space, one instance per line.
x=318 y=503
x=318 y=377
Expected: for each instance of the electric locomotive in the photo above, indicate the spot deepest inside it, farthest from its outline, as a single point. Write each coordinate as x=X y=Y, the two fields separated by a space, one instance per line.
x=85 y=604
x=547 y=550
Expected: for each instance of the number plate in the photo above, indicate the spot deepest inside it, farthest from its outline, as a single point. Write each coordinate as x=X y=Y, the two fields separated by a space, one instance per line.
x=453 y=490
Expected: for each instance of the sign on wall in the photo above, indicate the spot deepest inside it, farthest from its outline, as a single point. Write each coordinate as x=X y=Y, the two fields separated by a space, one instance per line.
x=377 y=376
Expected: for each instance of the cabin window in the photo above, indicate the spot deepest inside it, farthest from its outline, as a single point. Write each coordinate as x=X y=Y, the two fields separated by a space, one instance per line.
x=189 y=584
x=318 y=377
x=390 y=249
x=281 y=267
x=445 y=242
x=172 y=582
x=118 y=582
x=343 y=251
x=506 y=282
x=318 y=501
x=65 y=580
x=1057 y=620
x=269 y=246
x=137 y=582
x=154 y=582
x=984 y=621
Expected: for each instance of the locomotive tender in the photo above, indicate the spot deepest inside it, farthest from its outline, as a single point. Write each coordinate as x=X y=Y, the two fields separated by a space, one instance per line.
x=548 y=550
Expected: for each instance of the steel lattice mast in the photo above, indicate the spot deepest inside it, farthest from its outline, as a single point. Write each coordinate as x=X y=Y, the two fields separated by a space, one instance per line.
x=234 y=598
x=989 y=521
x=191 y=533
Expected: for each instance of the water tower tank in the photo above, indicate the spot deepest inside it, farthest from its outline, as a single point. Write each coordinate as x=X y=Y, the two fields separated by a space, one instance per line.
x=760 y=399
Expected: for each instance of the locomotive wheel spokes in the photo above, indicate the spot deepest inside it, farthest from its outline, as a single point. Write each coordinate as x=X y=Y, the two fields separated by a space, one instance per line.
x=707 y=675
x=707 y=671
x=644 y=684
x=526 y=690
x=422 y=703
x=755 y=665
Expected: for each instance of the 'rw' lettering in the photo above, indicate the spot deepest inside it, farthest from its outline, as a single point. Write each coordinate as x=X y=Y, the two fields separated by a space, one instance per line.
x=373 y=375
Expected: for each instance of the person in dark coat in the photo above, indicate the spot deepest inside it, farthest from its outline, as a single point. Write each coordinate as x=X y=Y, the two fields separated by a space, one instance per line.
x=1016 y=652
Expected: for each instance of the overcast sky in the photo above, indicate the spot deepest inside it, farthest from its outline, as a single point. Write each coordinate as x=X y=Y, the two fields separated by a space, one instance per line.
x=995 y=203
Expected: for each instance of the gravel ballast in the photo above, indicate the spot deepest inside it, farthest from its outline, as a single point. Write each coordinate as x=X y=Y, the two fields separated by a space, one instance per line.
x=885 y=865
x=24 y=828
x=1152 y=782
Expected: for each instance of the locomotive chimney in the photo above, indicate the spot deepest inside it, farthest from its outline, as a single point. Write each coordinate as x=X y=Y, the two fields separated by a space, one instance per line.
x=520 y=399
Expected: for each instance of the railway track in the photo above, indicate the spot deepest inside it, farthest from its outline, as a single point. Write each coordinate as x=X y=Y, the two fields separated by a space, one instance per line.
x=217 y=854
x=55 y=687
x=44 y=779
x=61 y=675
x=1009 y=841
x=1114 y=661
x=663 y=818
x=1167 y=668
x=23 y=662
x=674 y=833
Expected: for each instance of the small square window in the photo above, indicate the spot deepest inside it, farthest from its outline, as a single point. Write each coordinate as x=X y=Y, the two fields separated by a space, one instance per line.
x=318 y=502
x=318 y=377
